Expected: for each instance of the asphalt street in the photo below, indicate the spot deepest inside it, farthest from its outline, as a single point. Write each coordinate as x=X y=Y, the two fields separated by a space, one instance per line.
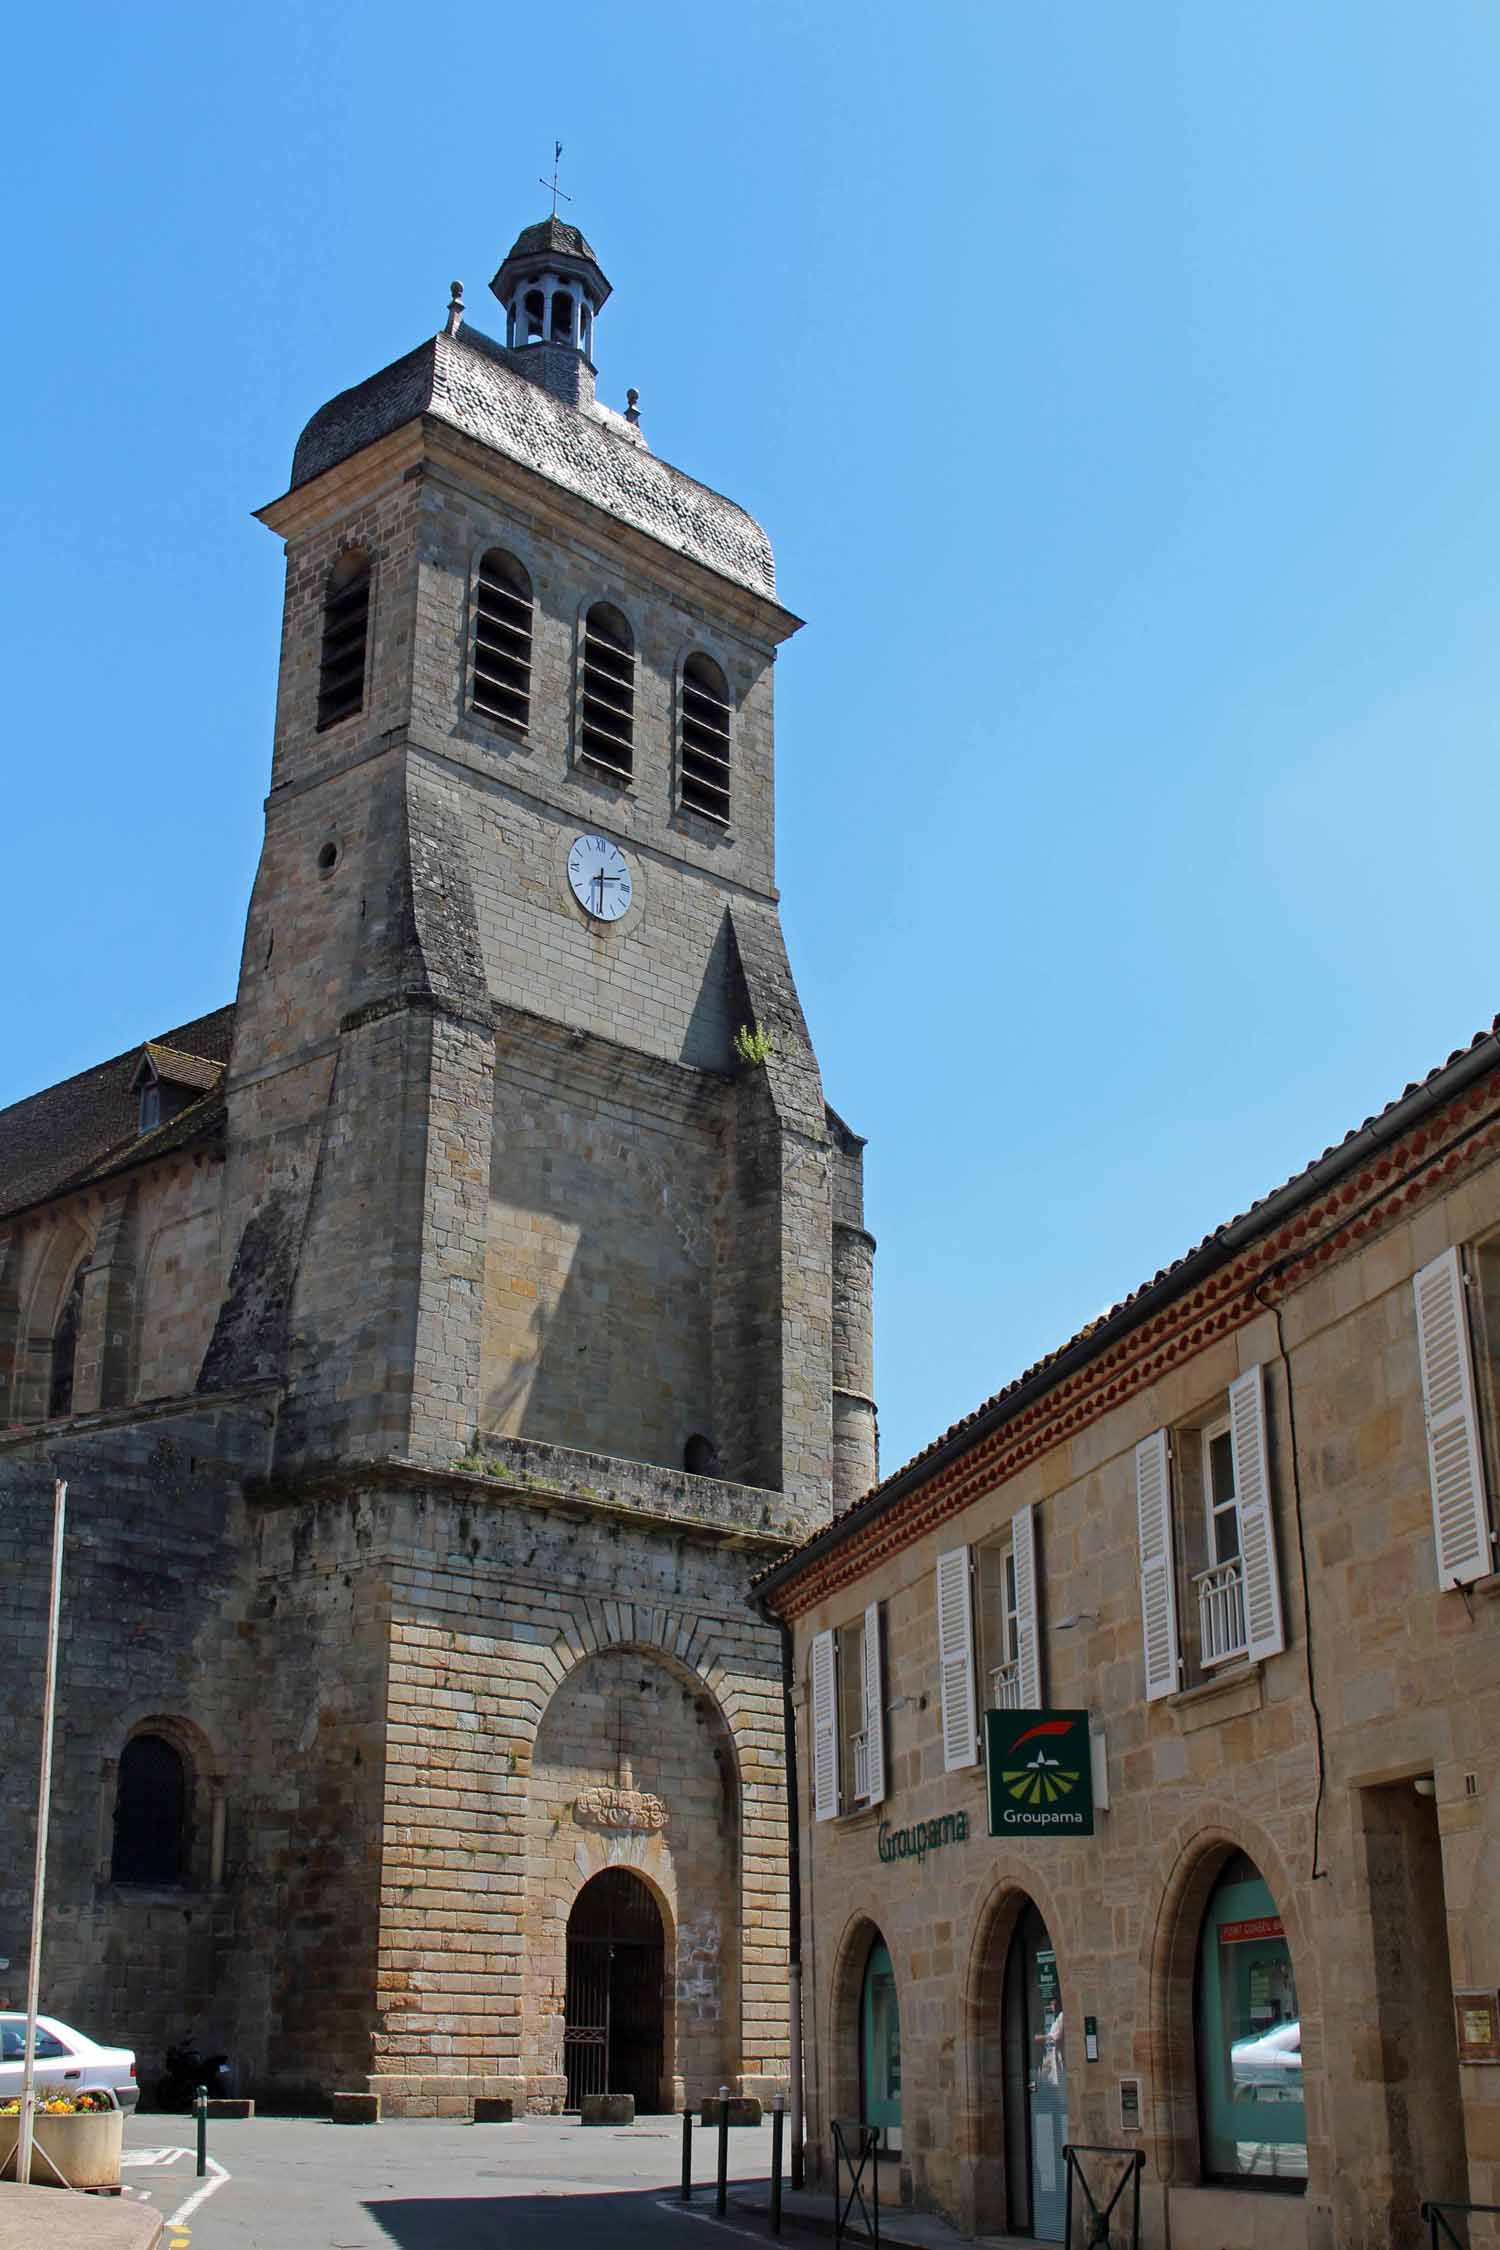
x=541 y=2184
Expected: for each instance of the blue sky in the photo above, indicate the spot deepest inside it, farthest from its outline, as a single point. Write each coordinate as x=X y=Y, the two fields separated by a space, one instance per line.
x=1119 y=387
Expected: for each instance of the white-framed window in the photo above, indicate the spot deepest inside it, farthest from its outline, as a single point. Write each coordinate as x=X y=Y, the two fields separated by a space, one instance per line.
x=1220 y=1586
x=1203 y=1493
x=1005 y=1676
x=847 y=1687
x=1010 y=1640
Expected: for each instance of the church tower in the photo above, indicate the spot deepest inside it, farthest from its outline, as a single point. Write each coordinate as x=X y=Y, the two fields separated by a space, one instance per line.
x=438 y=1341
x=497 y=1169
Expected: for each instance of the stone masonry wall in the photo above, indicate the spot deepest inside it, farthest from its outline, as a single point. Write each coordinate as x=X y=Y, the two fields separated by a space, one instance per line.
x=159 y=1229
x=600 y=1274
x=495 y=1600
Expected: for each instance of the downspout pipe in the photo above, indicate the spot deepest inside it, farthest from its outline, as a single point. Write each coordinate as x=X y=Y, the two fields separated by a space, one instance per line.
x=794 y=1887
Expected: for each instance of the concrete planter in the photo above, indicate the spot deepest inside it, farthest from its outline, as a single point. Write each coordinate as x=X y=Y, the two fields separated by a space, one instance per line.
x=744 y=2109
x=85 y=2148
x=607 y=2109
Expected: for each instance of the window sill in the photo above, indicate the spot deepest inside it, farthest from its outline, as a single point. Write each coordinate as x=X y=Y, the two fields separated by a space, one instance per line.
x=158 y=1894
x=1228 y=1695
x=860 y=1815
x=1488 y=1589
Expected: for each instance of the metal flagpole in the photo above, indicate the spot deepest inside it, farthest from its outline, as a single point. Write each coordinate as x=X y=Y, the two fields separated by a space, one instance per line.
x=43 y=1809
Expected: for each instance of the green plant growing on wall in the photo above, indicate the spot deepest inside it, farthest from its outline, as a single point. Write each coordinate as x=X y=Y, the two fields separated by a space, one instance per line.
x=751 y=1044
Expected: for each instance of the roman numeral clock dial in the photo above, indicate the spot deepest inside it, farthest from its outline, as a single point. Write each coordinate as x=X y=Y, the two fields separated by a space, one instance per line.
x=599 y=876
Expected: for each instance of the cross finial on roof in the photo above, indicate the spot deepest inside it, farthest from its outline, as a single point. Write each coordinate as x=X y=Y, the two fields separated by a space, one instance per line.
x=552 y=183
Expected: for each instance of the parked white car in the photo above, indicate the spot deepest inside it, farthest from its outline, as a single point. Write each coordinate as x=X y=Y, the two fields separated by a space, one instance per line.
x=66 y=2062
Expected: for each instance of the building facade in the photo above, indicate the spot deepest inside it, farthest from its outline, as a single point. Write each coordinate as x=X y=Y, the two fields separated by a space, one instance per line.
x=435 y=1341
x=1224 y=1565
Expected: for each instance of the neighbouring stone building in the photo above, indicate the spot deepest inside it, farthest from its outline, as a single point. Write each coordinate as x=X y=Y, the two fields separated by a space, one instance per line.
x=436 y=1342
x=1226 y=1562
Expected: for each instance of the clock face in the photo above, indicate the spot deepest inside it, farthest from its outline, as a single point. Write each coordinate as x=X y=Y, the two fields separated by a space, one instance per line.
x=600 y=877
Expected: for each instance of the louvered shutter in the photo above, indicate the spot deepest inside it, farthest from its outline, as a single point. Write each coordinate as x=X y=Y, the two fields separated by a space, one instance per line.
x=1460 y=1513
x=1153 y=1508
x=825 y=1729
x=955 y=1605
x=1264 y=1633
x=874 y=1701
x=1028 y=1641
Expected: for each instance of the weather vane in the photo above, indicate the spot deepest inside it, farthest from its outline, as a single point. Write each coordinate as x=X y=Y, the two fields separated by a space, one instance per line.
x=552 y=183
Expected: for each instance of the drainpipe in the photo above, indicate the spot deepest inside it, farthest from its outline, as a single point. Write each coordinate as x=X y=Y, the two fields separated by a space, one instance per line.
x=794 y=1894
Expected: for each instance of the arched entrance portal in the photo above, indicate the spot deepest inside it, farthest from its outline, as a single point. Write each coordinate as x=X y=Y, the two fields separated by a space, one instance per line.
x=613 y=2015
x=1036 y=2082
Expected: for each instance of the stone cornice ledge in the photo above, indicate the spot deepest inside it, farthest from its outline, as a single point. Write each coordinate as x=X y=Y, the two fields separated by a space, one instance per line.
x=507 y=1470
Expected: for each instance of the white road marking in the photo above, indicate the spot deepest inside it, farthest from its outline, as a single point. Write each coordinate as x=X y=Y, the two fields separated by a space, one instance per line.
x=216 y=2180
x=153 y=2155
x=687 y=2211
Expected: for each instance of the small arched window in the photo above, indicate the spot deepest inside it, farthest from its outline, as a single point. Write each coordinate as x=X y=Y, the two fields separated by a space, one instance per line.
x=608 y=732
x=502 y=641
x=703 y=774
x=346 y=624
x=1249 y=2043
x=65 y=1349
x=151 y=1808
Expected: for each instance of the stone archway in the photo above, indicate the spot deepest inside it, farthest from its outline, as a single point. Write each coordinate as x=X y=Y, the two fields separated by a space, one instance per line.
x=984 y=2133
x=1194 y=1858
x=59 y=1265
x=614 y=2040
x=633 y=1769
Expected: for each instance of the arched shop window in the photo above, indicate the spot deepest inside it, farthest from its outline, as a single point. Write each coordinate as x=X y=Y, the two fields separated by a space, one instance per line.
x=1249 y=2038
x=880 y=2047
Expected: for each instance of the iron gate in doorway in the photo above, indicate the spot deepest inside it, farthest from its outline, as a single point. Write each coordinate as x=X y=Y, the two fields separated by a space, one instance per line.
x=613 y=2013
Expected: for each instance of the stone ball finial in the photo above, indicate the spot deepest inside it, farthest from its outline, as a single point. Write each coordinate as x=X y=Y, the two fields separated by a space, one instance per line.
x=455 y=306
x=632 y=406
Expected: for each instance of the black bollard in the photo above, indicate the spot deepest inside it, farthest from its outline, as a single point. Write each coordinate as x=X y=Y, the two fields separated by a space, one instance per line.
x=721 y=2200
x=687 y=2155
x=778 y=2119
x=200 y=2105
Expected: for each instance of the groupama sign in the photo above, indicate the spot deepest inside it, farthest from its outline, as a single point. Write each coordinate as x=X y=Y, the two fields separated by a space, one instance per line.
x=1041 y=1779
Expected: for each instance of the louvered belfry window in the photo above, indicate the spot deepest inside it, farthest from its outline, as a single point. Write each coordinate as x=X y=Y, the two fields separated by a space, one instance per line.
x=502 y=641
x=608 y=731
x=346 y=624
x=704 y=778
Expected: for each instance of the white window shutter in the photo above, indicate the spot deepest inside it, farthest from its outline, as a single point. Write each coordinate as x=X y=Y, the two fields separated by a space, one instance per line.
x=1264 y=1632
x=1153 y=1508
x=1028 y=1640
x=955 y=1604
x=825 y=1729
x=1460 y=1513
x=874 y=1701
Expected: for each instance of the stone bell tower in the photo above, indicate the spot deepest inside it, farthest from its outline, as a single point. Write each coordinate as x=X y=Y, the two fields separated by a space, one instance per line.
x=496 y=1168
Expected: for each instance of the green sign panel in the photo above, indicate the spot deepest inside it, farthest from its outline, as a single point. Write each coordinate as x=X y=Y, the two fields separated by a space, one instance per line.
x=1041 y=1776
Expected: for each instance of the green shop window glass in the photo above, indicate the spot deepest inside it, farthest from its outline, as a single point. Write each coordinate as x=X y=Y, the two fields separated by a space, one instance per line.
x=880 y=2048
x=1249 y=2038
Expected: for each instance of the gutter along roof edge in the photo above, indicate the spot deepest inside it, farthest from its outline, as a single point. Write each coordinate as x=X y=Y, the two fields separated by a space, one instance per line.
x=1462 y=1069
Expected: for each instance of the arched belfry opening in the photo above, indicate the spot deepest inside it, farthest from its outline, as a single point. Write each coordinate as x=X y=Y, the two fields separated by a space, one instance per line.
x=614 y=2034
